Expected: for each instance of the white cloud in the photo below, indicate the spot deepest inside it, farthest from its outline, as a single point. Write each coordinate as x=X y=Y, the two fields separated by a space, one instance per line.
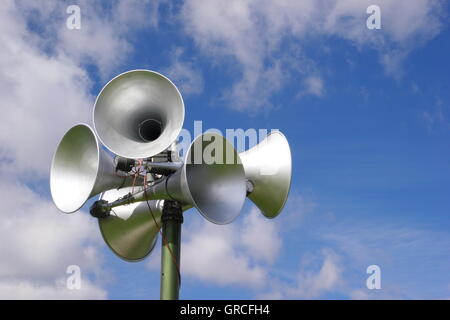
x=44 y=87
x=436 y=116
x=319 y=274
x=240 y=254
x=25 y=290
x=212 y=254
x=359 y=294
x=297 y=207
x=185 y=76
x=237 y=254
x=260 y=237
x=42 y=96
x=43 y=237
x=401 y=21
x=313 y=86
x=327 y=278
x=40 y=243
x=228 y=28
x=245 y=253
x=155 y=6
x=45 y=90
x=104 y=36
x=413 y=262
x=253 y=34
x=102 y=41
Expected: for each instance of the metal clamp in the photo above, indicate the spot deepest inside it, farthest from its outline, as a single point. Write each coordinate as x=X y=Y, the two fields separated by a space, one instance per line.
x=172 y=210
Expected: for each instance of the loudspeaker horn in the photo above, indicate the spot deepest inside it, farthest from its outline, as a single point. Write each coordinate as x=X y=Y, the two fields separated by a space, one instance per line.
x=212 y=179
x=138 y=114
x=131 y=231
x=268 y=169
x=81 y=170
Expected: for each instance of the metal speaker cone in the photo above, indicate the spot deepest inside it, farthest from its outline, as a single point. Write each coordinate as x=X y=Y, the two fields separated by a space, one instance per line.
x=138 y=114
x=130 y=231
x=81 y=170
x=268 y=167
x=216 y=185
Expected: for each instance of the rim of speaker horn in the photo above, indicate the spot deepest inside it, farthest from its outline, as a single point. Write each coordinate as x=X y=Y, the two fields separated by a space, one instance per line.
x=130 y=231
x=283 y=143
x=217 y=190
x=268 y=166
x=74 y=168
x=138 y=114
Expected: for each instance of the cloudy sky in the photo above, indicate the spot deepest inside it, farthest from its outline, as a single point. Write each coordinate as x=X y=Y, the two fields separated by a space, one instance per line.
x=366 y=113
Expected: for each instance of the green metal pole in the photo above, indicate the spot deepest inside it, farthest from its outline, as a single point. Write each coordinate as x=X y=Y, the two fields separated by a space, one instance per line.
x=172 y=218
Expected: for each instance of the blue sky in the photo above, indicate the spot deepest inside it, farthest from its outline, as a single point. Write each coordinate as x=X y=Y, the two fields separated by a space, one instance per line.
x=366 y=113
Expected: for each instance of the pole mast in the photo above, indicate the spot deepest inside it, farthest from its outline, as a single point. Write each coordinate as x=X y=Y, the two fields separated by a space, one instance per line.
x=172 y=218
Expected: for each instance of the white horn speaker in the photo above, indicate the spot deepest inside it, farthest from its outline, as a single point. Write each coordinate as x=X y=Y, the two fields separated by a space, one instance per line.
x=268 y=169
x=81 y=170
x=138 y=114
x=131 y=231
x=212 y=179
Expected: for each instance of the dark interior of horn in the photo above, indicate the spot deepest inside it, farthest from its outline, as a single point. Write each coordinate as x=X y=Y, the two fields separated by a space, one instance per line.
x=150 y=130
x=143 y=127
